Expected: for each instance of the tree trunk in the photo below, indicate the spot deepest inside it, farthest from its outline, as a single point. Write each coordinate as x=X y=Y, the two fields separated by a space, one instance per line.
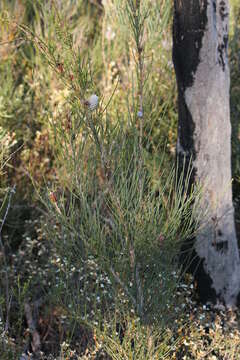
x=200 y=45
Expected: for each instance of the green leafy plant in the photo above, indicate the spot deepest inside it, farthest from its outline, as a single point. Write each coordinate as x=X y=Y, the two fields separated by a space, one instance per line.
x=104 y=204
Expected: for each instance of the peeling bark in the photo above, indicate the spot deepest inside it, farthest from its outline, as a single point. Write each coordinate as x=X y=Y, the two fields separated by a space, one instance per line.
x=200 y=45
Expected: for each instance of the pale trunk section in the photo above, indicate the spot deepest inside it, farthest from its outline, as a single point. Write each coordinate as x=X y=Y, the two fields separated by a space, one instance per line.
x=206 y=99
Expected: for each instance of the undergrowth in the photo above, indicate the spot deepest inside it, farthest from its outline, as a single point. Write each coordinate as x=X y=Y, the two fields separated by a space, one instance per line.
x=93 y=229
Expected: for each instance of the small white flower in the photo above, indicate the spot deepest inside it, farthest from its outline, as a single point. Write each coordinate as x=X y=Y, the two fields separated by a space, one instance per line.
x=109 y=34
x=92 y=102
x=140 y=114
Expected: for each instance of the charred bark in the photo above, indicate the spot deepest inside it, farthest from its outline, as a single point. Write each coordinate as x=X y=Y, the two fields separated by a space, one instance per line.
x=200 y=56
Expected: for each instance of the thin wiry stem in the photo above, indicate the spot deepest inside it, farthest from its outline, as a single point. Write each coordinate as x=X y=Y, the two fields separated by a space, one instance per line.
x=8 y=301
x=140 y=297
x=140 y=48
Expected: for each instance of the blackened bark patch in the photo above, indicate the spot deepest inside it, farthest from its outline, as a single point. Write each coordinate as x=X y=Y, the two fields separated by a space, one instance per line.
x=223 y=10
x=220 y=233
x=189 y=24
x=222 y=52
x=190 y=20
x=225 y=41
x=222 y=48
x=221 y=246
x=204 y=283
x=185 y=126
x=214 y=6
x=238 y=300
x=221 y=56
x=191 y=262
